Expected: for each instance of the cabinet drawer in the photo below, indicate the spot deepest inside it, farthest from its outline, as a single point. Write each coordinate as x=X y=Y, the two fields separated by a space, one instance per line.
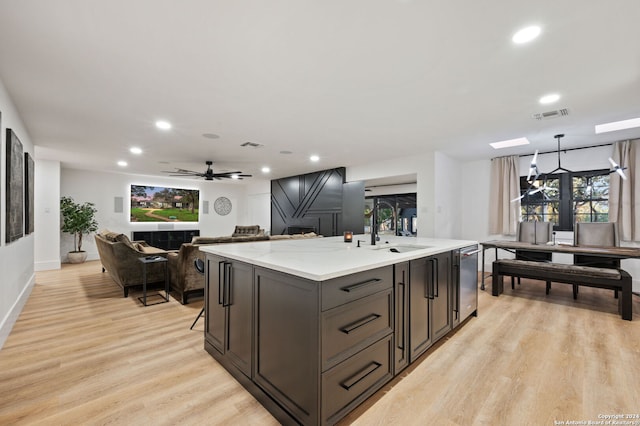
x=339 y=291
x=348 y=328
x=352 y=381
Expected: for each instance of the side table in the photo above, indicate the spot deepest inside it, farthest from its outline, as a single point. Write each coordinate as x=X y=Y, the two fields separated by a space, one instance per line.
x=146 y=261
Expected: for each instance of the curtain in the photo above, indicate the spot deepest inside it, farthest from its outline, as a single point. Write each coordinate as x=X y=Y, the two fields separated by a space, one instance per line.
x=624 y=195
x=504 y=214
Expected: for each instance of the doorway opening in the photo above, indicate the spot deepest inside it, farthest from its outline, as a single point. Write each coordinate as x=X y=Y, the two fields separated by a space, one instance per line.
x=397 y=214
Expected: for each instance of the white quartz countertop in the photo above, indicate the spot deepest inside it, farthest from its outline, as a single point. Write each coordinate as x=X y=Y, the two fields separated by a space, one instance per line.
x=321 y=259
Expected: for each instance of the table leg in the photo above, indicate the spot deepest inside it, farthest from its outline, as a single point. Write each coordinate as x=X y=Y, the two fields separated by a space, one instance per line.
x=166 y=282
x=144 y=284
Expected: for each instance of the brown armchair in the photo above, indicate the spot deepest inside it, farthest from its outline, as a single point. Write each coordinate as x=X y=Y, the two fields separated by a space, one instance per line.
x=119 y=257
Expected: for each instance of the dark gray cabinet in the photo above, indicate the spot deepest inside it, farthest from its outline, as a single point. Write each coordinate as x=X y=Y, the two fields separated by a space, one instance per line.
x=287 y=342
x=311 y=351
x=429 y=301
x=229 y=310
x=401 y=316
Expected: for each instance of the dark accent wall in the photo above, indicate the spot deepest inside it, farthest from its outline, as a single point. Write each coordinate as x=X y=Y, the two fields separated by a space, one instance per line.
x=320 y=202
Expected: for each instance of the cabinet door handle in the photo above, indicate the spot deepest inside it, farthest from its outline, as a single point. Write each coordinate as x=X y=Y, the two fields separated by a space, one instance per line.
x=400 y=336
x=360 y=375
x=355 y=325
x=228 y=280
x=221 y=282
x=456 y=279
x=437 y=277
x=358 y=286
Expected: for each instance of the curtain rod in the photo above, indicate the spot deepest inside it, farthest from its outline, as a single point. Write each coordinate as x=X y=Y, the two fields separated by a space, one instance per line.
x=568 y=149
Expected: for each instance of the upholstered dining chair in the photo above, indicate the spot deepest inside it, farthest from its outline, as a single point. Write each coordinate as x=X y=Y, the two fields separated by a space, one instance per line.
x=536 y=233
x=600 y=234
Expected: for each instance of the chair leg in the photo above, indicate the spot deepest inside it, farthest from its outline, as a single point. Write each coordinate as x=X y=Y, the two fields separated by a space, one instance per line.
x=615 y=293
x=512 y=286
x=518 y=280
x=575 y=291
x=548 y=287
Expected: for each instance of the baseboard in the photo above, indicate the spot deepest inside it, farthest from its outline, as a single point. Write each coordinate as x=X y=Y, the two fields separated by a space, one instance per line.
x=47 y=265
x=10 y=319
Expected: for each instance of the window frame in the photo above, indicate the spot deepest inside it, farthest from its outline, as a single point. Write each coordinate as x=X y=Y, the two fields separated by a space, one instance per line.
x=566 y=213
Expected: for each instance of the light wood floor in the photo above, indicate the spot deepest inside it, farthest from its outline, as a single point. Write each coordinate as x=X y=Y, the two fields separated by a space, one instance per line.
x=80 y=353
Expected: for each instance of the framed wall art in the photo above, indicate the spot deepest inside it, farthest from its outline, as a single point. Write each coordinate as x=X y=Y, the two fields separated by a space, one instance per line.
x=14 y=229
x=29 y=176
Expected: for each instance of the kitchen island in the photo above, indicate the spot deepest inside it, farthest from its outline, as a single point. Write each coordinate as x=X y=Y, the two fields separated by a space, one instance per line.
x=313 y=327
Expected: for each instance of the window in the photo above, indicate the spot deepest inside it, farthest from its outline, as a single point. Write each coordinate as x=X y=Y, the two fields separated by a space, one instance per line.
x=566 y=198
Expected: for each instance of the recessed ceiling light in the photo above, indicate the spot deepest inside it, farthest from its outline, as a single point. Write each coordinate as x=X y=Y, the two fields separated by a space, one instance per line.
x=617 y=125
x=266 y=170
x=235 y=177
x=286 y=152
x=509 y=143
x=526 y=34
x=210 y=136
x=314 y=158
x=163 y=125
x=549 y=99
x=122 y=163
x=135 y=150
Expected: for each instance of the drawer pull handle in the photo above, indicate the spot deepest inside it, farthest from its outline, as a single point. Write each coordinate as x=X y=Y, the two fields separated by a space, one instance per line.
x=360 y=375
x=355 y=325
x=358 y=286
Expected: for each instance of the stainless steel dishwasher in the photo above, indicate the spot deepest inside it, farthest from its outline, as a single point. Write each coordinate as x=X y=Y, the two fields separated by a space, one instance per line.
x=466 y=301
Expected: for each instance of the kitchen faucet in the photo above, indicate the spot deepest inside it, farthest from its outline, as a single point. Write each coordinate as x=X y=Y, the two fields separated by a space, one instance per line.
x=374 y=224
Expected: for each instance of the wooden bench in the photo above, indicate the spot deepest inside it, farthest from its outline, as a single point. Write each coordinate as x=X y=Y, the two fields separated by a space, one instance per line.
x=613 y=279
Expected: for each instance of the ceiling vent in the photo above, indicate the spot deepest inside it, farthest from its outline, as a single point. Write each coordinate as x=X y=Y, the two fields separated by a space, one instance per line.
x=251 y=145
x=551 y=114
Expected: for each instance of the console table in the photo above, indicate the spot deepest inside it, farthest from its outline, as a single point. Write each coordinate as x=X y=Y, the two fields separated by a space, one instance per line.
x=166 y=240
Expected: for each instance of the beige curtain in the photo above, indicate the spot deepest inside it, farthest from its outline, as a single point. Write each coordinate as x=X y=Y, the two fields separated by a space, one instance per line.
x=624 y=195
x=504 y=214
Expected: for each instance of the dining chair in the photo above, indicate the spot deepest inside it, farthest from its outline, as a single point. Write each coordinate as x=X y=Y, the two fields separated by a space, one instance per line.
x=536 y=233
x=599 y=234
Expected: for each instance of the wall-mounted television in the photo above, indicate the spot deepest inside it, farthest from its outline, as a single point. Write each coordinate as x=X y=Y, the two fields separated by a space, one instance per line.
x=162 y=204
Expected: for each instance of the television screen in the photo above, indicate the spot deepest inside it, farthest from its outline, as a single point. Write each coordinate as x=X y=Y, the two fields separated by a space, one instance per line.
x=160 y=204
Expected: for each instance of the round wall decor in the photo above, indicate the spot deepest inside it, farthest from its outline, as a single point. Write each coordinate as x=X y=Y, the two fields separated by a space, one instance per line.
x=222 y=206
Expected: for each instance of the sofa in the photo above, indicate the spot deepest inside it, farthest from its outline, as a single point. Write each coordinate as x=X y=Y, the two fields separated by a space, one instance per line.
x=186 y=281
x=119 y=257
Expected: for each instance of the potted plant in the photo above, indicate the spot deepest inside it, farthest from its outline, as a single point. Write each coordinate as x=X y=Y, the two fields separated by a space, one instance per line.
x=77 y=219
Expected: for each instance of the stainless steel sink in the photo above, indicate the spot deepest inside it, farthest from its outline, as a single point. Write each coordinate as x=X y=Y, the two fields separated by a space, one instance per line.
x=401 y=248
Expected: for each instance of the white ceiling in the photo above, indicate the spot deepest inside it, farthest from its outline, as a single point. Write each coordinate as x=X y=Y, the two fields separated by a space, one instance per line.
x=354 y=81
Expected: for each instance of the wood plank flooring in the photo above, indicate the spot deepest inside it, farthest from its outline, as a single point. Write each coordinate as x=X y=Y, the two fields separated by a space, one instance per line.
x=80 y=353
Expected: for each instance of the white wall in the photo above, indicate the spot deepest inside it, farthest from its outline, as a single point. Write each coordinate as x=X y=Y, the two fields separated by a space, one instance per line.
x=102 y=189
x=47 y=215
x=16 y=259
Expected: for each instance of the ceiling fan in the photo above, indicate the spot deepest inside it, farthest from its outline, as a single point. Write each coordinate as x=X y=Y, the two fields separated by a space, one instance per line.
x=208 y=174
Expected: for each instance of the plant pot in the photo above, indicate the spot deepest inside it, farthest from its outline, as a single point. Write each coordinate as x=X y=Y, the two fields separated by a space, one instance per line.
x=77 y=256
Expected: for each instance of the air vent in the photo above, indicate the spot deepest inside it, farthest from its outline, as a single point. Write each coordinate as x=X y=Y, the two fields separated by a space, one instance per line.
x=551 y=114
x=251 y=145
